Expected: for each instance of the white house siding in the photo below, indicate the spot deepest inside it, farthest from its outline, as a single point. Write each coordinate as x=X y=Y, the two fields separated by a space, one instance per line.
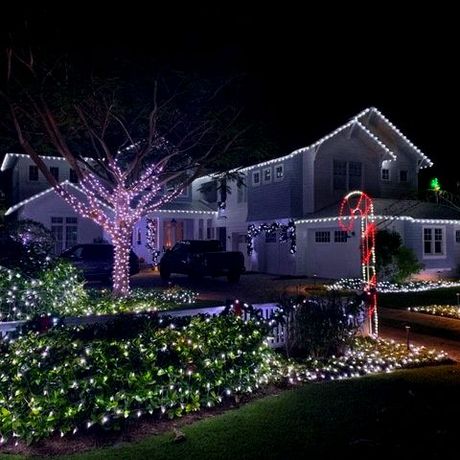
x=327 y=260
x=346 y=146
x=51 y=205
x=24 y=187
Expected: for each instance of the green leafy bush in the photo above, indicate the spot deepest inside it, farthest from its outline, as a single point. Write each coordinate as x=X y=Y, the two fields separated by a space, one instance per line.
x=54 y=290
x=68 y=379
x=59 y=290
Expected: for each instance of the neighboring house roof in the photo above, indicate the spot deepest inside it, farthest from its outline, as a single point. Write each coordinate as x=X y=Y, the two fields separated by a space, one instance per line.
x=384 y=208
x=10 y=158
x=364 y=121
x=193 y=207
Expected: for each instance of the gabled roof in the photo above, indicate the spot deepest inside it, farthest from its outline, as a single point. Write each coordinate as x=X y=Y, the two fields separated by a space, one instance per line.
x=366 y=117
x=390 y=209
x=10 y=158
x=188 y=207
x=361 y=120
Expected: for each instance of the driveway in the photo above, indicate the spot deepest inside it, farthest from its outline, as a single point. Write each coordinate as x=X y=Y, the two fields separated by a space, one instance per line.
x=252 y=287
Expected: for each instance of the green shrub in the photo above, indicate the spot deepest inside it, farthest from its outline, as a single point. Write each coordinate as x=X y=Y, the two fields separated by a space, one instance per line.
x=53 y=291
x=69 y=379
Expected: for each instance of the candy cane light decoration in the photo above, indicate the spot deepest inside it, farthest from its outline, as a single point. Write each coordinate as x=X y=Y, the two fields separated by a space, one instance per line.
x=358 y=205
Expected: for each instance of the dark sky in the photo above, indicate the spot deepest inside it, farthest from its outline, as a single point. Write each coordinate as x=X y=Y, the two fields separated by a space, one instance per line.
x=305 y=70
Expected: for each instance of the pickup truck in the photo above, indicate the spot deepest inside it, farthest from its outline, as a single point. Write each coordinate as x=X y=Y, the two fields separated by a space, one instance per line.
x=198 y=258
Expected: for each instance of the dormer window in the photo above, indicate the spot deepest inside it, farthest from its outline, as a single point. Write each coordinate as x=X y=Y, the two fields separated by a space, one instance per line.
x=385 y=174
x=33 y=173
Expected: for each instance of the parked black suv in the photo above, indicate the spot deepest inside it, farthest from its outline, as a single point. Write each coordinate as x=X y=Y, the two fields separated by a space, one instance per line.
x=96 y=260
x=198 y=258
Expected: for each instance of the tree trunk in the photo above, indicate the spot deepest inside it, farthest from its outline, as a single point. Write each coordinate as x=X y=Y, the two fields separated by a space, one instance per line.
x=122 y=246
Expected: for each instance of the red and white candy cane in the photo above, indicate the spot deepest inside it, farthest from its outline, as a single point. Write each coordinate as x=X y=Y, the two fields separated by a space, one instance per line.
x=358 y=205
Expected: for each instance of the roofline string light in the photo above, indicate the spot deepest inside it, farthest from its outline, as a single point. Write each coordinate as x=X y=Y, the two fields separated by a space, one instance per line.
x=358 y=204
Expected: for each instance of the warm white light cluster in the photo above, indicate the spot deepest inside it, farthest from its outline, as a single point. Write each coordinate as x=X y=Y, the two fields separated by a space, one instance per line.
x=355 y=284
x=448 y=311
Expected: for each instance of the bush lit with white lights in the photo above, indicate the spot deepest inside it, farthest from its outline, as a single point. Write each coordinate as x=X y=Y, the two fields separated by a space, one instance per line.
x=355 y=284
x=67 y=380
x=449 y=311
x=60 y=291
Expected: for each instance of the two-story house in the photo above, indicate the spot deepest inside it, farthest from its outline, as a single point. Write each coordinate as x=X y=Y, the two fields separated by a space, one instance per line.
x=367 y=153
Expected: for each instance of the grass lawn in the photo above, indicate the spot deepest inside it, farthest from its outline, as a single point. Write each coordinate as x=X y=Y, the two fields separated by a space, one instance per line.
x=413 y=299
x=407 y=413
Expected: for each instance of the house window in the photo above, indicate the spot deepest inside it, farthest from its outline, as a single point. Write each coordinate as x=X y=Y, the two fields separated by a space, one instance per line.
x=403 y=176
x=279 y=173
x=354 y=175
x=71 y=232
x=54 y=170
x=65 y=232
x=267 y=177
x=322 y=237
x=347 y=175
x=340 y=236
x=255 y=178
x=270 y=237
x=457 y=236
x=209 y=230
x=385 y=174
x=200 y=229
x=340 y=175
x=33 y=173
x=433 y=241
x=73 y=176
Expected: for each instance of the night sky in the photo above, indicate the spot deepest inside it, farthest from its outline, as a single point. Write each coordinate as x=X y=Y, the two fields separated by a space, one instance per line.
x=304 y=71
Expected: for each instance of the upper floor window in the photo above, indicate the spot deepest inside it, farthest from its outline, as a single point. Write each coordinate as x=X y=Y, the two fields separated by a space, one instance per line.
x=267 y=177
x=279 y=172
x=33 y=172
x=73 y=176
x=322 y=237
x=403 y=175
x=385 y=174
x=54 y=170
x=255 y=178
x=340 y=175
x=347 y=175
x=433 y=241
x=354 y=175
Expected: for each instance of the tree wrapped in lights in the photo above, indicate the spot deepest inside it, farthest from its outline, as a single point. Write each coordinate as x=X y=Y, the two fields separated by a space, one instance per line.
x=133 y=147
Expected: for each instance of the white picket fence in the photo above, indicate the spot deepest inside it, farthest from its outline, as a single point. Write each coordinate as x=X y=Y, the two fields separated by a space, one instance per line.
x=275 y=340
